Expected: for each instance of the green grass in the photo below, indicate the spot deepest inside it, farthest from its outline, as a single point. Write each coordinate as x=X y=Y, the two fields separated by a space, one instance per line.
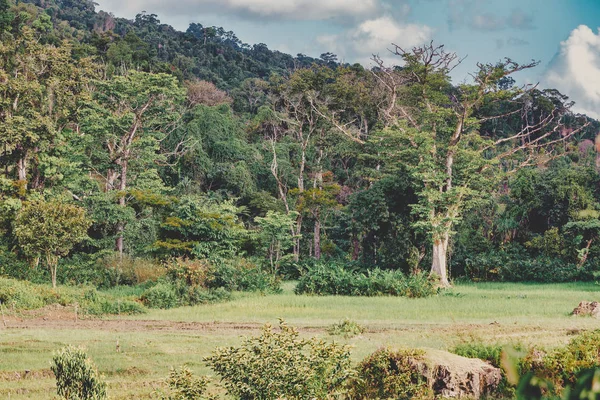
x=466 y=303
x=490 y=313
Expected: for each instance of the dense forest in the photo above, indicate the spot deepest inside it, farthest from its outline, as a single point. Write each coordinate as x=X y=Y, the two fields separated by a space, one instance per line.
x=127 y=141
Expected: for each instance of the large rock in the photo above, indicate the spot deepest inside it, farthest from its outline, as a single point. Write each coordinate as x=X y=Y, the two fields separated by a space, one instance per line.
x=588 y=308
x=452 y=376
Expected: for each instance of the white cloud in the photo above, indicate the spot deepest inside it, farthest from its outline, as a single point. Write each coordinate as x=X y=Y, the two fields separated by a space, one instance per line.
x=262 y=9
x=576 y=70
x=375 y=36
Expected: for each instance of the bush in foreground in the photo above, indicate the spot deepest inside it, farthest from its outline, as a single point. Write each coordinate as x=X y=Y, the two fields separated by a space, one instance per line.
x=563 y=366
x=336 y=280
x=76 y=376
x=183 y=385
x=278 y=364
x=388 y=374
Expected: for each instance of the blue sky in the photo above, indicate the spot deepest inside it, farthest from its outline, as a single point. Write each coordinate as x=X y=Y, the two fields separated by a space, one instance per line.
x=561 y=34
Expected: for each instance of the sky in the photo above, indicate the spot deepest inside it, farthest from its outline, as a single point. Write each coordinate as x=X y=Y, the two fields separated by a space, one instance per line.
x=563 y=35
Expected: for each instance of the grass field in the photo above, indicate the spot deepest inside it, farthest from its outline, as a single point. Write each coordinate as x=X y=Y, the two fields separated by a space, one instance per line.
x=150 y=344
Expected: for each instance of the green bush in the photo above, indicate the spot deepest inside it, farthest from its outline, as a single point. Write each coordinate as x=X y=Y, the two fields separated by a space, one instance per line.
x=76 y=376
x=278 y=364
x=563 y=365
x=207 y=296
x=243 y=275
x=125 y=270
x=184 y=385
x=162 y=295
x=337 y=280
x=388 y=374
x=489 y=353
x=27 y=296
x=106 y=306
x=515 y=264
x=346 y=328
x=19 y=295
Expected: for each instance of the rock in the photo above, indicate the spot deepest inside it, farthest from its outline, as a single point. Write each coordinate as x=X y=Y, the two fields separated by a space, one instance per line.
x=452 y=376
x=587 y=308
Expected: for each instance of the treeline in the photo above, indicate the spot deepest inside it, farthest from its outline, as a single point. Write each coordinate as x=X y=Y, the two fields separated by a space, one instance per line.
x=164 y=144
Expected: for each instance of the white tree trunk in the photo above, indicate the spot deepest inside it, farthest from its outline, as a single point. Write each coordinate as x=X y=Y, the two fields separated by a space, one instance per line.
x=439 y=266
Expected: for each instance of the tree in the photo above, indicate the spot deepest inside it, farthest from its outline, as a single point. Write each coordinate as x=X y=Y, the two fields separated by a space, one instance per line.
x=125 y=124
x=437 y=135
x=203 y=228
x=41 y=86
x=316 y=202
x=50 y=229
x=275 y=236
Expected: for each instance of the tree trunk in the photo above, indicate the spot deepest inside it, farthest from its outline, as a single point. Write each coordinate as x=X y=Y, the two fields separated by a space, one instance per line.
x=121 y=225
x=317 y=237
x=297 y=238
x=22 y=168
x=439 y=266
x=355 y=248
x=52 y=262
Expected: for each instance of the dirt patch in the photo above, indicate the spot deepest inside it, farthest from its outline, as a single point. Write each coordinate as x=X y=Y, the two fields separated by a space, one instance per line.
x=121 y=325
x=27 y=374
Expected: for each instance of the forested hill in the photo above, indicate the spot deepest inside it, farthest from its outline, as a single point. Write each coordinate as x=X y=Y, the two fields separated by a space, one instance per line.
x=139 y=142
x=205 y=52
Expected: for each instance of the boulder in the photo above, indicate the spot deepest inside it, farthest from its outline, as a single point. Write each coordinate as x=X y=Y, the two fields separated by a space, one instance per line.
x=453 y=376
x=588 y=308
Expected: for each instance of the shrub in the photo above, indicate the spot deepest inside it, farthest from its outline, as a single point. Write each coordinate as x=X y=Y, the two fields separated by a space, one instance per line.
x=346 y=328
x=27 y=296
x=185 y=386
x=163 y=295
x=243 y=275
x=105 y=306
x=19 y=294
x=563 y=365
x=207 y=296
x=76 y=376
x=336 y=280
x=515 y=264
x=278 y=364
x=388 y=374
x=489 y=353
x=126 y=270
x=192 y=272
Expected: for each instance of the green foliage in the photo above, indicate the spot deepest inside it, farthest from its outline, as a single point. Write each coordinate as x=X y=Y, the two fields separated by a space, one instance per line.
x=76 y=376
x=346 y=328
x=337 y=280
x=127 y=270
x=185 y=386
x=563 y=365
x=278 y=364
x=50 y=229
x=243 y=275
x=166 y=164
x=514 y=264
x=22 y=295
x=275 y=237
x=199 y=295
x=388 y=374
x=162 y=295
x=569 y=373
x=486 y=352
x=193 y=273
x=203 y=228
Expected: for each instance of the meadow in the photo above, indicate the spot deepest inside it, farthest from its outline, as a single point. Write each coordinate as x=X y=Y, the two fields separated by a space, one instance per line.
x=135 y=353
